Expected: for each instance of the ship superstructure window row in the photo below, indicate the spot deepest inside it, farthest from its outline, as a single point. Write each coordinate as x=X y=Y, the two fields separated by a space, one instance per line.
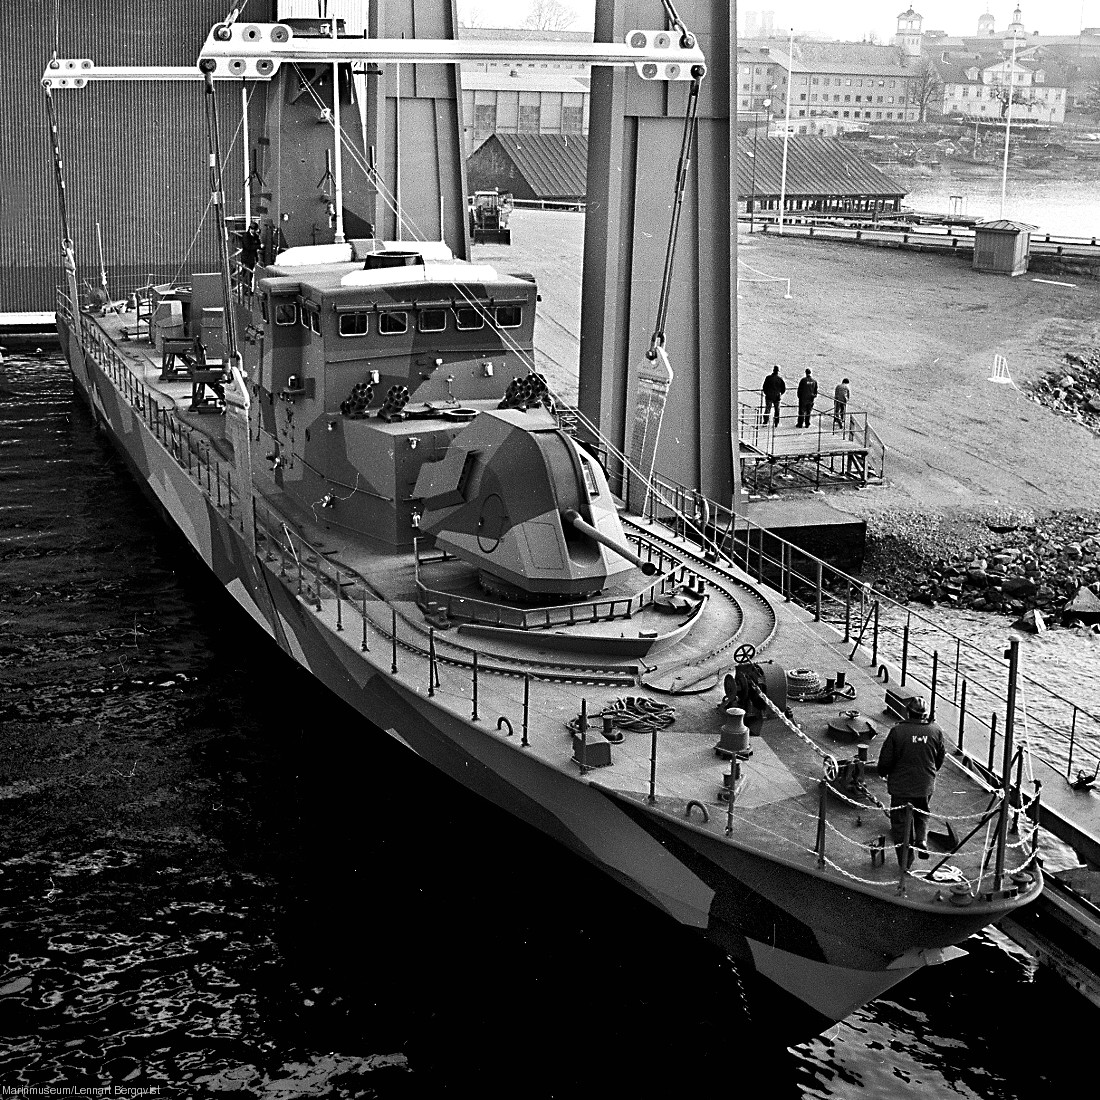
x=356 y=322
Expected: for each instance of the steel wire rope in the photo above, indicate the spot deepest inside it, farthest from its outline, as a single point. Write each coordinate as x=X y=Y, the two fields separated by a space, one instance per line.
x=418 y=236
x=210 y=200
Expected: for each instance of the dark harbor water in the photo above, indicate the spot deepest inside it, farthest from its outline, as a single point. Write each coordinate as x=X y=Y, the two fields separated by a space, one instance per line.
x=218 y=881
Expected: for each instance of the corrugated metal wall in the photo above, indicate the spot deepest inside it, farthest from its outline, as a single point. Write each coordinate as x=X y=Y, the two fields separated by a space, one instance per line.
x=135 y=155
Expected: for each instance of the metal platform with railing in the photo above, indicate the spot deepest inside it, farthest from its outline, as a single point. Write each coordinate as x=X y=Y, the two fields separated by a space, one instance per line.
x=832 y=448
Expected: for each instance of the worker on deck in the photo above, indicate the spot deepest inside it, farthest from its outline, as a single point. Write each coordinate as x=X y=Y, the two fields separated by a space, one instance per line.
x=774 y=387
x=910 y=758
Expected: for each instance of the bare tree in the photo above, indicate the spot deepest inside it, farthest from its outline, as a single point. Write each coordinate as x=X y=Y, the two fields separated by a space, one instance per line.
x=1003 y=93
x=472 y=16
x=925 y=86
x=549 y=15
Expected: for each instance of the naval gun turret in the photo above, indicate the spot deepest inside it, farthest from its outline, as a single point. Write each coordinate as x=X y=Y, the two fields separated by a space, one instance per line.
x=516 y=497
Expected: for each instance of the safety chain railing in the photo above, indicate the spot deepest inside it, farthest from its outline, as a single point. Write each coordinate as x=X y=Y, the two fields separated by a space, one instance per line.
x=831 y=771
x=1063 y=732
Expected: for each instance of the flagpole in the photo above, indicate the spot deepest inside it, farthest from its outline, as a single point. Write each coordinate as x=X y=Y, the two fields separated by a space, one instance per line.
x=1008 y=123
x=786 y=131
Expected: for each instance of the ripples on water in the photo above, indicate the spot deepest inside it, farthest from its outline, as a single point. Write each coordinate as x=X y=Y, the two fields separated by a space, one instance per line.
x=214 y=878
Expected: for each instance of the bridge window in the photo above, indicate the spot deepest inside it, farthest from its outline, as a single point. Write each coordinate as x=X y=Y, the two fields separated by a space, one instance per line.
x=509 y=316
x=431 y=320
x=286 y=313
x=353 y=324
x=311 y=320
x=467 y=319
x=393 y=322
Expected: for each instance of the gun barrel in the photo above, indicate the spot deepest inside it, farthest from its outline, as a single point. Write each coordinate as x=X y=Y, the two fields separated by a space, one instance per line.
x=586 y=528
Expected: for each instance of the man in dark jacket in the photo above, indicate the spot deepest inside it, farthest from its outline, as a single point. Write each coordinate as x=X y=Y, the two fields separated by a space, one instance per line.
x=774 y=387
x=807 y=391
x=910 y=758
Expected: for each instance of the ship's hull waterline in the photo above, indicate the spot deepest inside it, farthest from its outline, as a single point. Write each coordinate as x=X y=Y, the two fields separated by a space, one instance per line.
x=822 y=947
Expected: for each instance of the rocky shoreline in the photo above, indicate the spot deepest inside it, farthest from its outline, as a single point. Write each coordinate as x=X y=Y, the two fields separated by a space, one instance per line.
x=1005 y=562
x=1074 y=392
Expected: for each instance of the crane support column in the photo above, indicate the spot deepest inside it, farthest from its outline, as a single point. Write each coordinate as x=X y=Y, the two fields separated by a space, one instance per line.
x=634 y=139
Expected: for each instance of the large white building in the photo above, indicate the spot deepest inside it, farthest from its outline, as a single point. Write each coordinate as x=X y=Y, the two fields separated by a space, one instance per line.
x=979 y=87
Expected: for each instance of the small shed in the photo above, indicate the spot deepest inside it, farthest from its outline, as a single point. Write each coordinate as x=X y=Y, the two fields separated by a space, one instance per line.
x=1002 y=247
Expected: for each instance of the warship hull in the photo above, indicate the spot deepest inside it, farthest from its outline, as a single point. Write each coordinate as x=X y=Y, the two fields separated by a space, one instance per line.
x=814 y=946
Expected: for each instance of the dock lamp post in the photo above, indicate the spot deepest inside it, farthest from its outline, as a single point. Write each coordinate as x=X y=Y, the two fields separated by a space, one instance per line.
x=755 y=137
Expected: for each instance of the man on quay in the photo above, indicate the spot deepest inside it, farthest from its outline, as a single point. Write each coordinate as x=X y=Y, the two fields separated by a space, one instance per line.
x=807 y=392
x=910 y=758
x=774 y=387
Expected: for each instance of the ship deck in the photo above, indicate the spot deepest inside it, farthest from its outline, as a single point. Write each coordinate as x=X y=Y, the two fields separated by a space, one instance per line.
x=363 y=589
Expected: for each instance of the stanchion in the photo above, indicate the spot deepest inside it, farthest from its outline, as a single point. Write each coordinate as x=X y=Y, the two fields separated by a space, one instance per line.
x=962 y=715
x=474 y=715
x=822 y=796
x=526 y=706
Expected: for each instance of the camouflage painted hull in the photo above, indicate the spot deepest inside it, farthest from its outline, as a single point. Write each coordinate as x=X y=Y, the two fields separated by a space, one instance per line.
x=819 y=943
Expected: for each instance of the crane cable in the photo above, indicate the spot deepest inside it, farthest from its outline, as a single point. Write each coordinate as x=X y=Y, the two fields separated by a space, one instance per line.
x=687 y=40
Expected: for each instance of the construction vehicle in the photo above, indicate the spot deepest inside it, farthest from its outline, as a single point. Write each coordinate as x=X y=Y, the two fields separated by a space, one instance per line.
x=489 y=212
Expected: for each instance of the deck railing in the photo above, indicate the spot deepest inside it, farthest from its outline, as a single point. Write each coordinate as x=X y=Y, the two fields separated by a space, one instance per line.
x=888 y=633
x=349 y=601
x=471 y=609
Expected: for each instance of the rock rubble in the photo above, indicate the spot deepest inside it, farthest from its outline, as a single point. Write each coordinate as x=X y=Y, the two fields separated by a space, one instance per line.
x=1075 y=391
x=1008 y=564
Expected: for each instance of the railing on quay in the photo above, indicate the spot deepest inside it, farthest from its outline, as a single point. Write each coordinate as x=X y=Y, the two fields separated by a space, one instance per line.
x=314 y=579
x=846 y=438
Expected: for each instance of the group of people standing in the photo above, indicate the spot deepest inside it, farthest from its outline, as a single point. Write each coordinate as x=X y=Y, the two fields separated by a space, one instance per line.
x=774 y=387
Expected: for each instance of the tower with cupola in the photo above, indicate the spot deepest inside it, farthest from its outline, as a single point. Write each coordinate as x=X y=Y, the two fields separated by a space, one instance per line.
x=1014 y=32
x=908 y=37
